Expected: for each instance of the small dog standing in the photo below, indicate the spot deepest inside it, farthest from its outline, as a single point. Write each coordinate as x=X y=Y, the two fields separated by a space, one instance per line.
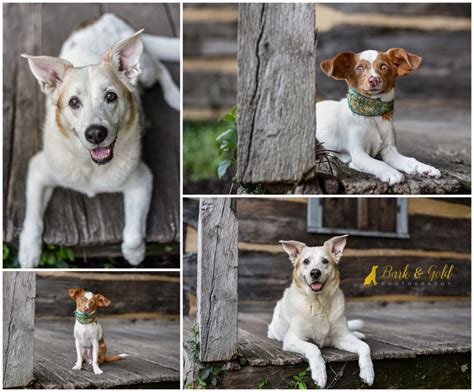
x=312 y=309
x=90 y=343
x=360 y=127
x=94 y=124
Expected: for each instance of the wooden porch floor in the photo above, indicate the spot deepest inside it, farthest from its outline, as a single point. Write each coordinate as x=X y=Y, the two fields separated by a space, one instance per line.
x=423 y=338
x=152 y=346
x=74 y=219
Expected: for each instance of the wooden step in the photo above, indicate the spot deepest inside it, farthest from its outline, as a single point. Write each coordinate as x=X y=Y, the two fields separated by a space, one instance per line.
x=152 y=346
x=429 y=344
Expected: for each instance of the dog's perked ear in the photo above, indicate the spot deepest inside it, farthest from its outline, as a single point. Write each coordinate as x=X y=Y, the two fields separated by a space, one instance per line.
x=293 y=248
x=49 y=71
x=76 y=292
x=125 y=56
x=336 y=246
x=403 y=61
x=339 y=66
x=102 y=300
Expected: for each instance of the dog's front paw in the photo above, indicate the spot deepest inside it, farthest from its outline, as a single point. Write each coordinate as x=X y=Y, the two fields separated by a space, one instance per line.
x=318 y=372
x=391 y=177
x=77 y=366
x=427 y=171
x=134 y=255
x=98 y=370
x=367 y=373
x=29 y=252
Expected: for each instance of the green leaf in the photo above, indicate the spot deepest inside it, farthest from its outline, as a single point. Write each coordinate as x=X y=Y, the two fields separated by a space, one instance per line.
x=201 y=382
x=223 y=167
x=226 y=133
x=6 y=251
x=204 y=373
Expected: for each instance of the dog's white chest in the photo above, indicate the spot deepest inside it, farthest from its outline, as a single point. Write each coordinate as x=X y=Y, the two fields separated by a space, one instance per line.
x=87 y=333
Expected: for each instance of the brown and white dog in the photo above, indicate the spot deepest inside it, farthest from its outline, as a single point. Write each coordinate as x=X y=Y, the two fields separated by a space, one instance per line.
x=90 y=343
x=360 y=128
x=312 y=310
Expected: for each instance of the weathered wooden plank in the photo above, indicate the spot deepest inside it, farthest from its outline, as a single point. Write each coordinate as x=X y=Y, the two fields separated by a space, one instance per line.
x=153 y=347
x=419 y=9
x=152 y=292
x=268 y=221
x=209 y=89
x=276 y=92
x=217 y=267
x=19 y=291
x=71 y=218
x=210 y=39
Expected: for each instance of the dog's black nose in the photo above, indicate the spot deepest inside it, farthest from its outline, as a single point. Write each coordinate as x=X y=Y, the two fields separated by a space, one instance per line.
x=315 y=274
x=96 y=134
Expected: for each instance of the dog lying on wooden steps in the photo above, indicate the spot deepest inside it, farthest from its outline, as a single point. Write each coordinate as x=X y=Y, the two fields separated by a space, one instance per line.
x=90 y=343
x=94 y=125
x=312 y=309
x=360 y=128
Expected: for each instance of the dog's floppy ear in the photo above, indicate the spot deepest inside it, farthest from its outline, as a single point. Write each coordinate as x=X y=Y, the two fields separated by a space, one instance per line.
x=125 y=56
x=49 y=71
x=102 y=300
x=75 y=292
x=402 y=60
x=336 y=246
x=338 y=67
x=293 y=248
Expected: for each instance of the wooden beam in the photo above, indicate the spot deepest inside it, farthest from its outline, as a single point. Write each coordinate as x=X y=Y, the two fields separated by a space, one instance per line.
x=19 y=293
x=276 y=92
x=217 y=269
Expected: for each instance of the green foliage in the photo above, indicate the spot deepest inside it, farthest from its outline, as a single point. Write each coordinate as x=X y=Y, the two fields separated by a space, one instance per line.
x=228 y=145
x=297 y=381
x=201 y=150
x=51 y=256
x=207 y=373
x=263 y=383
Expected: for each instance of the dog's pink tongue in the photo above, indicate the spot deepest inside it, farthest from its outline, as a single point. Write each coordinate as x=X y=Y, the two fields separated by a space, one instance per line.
x=100 y=153
x=316 y=286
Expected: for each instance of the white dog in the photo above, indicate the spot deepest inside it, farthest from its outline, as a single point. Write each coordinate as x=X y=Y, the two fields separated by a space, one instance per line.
x=360 y=128
x=312 y=309
x=94 y=124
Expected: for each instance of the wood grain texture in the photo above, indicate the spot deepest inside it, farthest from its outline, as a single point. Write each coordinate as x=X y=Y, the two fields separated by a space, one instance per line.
x=395 y=332
x=217 y=269
x=19 y=290
x=152 y=346
x=129 y=293
x=71 y=218
x=276 y=92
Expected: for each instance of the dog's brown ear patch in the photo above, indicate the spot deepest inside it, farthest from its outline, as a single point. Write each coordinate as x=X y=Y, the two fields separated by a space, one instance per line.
x=403 y=61
x=293 y=248
x=102 y=300
x=336 y=246
x=76 y=292
x=339 y=66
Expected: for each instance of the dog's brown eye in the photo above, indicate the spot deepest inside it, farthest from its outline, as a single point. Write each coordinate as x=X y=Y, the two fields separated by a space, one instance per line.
x=74 y=103
x=325 y=261
x=110 y=96
x=306 y=261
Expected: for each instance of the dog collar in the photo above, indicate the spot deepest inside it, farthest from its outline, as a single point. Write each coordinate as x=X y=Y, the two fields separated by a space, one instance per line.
x=85 y=318
x=369 y=107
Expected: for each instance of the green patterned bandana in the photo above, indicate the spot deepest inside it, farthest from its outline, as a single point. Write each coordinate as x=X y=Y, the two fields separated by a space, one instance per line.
x=84 y=318
x=369 y=107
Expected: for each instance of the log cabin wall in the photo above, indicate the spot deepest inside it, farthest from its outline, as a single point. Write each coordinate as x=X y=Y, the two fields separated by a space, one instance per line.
x=210 y=49
x=439 y=234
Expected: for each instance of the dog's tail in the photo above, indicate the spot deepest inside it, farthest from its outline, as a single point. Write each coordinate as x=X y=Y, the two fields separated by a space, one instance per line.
x=111 y=358
x=355 y=325
x=162 y=48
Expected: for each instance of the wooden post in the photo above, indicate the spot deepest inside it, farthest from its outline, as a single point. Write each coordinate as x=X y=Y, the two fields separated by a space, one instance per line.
x=276 y=92
x=19 y=292
x=217 y=269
